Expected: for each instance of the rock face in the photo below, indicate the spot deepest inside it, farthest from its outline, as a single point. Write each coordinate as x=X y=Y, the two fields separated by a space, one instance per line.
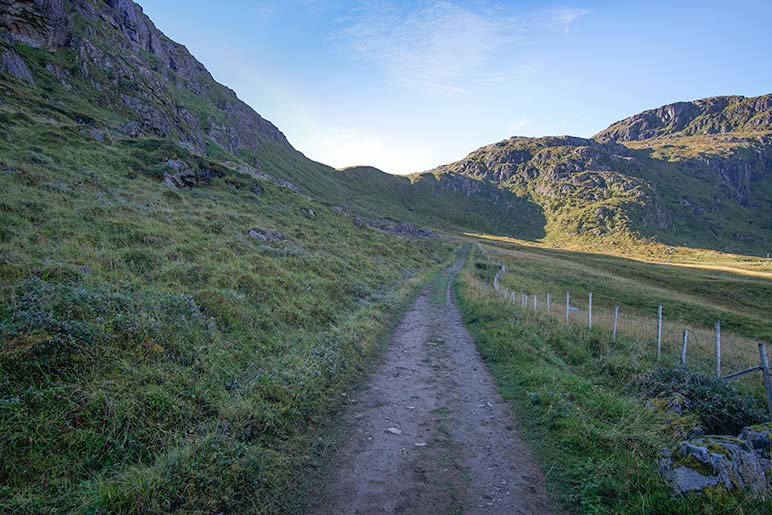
x=716 y=115
x=11 y=63
x=721 y=463
x=162 y=89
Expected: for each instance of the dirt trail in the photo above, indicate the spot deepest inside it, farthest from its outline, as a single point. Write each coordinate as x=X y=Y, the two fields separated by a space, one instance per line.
x=430 y=432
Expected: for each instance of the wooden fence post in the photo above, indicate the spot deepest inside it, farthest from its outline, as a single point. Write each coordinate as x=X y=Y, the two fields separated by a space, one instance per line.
x=765 y=371
x=548 y=303
x=718 y=348
x=568 y=305
x=534 y=302
x=659 y=332
x=683 y=347
x=589 y=311
x=616 y=318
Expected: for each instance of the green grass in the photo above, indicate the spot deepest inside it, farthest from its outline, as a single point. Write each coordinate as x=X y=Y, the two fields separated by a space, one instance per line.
x=154 y=357
x=692 y=296
x=576 y=397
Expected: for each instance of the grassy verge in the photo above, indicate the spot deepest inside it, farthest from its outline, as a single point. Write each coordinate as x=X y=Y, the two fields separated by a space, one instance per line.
x=574 y=393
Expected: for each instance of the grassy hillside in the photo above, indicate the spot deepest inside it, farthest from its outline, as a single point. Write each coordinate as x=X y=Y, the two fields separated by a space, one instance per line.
x=583 y=400
x=695 y=293
x=155 y=356
x=111 y=97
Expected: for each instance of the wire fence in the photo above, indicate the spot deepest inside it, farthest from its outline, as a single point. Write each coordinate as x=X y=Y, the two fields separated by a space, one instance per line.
x=726 y=355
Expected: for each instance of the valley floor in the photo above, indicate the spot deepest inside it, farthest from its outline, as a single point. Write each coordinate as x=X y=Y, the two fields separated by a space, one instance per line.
x=430 y=433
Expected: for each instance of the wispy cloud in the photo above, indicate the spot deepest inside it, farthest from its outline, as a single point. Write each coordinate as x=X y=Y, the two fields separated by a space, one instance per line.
x=439 y=45
x=561 y=19
x=516 y=125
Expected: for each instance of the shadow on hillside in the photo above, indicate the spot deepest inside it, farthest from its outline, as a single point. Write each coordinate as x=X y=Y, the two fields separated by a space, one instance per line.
x=703 y=214
x=452 y=202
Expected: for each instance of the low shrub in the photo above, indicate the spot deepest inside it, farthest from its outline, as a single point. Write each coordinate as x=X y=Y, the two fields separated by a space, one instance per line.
x=721 y=408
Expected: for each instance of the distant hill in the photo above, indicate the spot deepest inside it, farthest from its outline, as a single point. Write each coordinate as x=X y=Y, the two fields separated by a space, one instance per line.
x=696 y=174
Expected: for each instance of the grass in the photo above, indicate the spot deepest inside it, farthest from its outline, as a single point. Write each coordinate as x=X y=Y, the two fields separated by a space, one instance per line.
x=155 y=357
x=576 y=396
x=694 y=294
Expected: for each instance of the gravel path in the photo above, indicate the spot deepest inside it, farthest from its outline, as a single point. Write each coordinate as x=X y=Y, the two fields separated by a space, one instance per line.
x=430 y=432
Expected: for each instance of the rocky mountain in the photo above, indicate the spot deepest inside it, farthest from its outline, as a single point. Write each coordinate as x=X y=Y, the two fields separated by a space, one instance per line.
x=709 y=116
x=111 y=49
x=102 y=69
x=691 y=173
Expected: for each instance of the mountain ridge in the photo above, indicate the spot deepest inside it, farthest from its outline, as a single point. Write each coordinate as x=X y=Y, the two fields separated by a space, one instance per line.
x=689 y=173
x=711 y=115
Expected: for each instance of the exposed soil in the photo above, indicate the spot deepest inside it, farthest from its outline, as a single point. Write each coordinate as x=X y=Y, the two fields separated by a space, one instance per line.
x=430 y=432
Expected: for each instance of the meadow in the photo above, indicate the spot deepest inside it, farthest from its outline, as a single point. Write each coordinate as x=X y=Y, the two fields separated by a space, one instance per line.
x=589 y=404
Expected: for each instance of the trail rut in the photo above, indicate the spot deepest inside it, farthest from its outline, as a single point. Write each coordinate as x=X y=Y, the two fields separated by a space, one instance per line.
x=430 y=433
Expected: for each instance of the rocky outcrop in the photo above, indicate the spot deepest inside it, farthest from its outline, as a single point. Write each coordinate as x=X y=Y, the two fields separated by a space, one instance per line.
x=394 y=227
x=183 y=176
x=254 y=172
x=739 y=170
x=266 y=235
x=12 y=64
x=161 y=86
x=564 y=174
x=721 y=463
x=716 y=115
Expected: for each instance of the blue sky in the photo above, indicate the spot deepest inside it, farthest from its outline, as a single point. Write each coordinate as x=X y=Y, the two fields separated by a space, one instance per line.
x=406 y=86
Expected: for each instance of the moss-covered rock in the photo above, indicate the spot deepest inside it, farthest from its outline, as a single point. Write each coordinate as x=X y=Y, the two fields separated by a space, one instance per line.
x=717 y=462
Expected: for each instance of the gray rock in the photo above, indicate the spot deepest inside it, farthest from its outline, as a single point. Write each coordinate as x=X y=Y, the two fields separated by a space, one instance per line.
x=130 y=129
x=9 y=169
x=759 y=438
x=256 y=189
x=713 y=461
x=12 y=64
x=267 y=235
x=392 y=227
x=181 y=176
x=308 y=212
x=254 y=172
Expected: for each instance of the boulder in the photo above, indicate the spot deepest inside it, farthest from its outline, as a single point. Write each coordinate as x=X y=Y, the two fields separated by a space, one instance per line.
x=267 y=235
x=181 y=175
x=759 y=437
x=308 y=212
x=723 y=463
